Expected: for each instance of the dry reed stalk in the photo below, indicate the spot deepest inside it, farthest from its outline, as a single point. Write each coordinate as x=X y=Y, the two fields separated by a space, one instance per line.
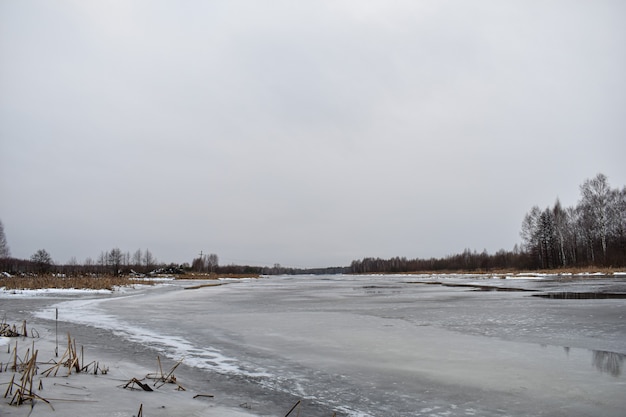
x=69 y=359
x=131 y=384
x=17 y=363
x=204 y=396
x=298 y=403
x=8 y=330
x=24 y=389
x=9 y=390
x=96 y=368
x=159 y=376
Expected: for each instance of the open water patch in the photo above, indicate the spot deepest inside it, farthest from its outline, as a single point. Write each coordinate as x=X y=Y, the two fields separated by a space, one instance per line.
x=567 y=295
x=475 y=287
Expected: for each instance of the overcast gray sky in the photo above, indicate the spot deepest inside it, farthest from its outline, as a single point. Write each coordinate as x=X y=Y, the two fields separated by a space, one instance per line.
x=305 y=133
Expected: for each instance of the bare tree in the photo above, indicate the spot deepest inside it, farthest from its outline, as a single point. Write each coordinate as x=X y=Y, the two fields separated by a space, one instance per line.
x=72 y=266
x=103 y=262
x=5 y=252
x=547 y=238
x=530 y=233
x=620 y=216
x=198 y=263
x=560 y=229
x=595 y=207
x=212 y=262
x=573 y=235
x=137 y=257
x=115 y=259
x=42 y=260
x=88 y=265
x=148 y=260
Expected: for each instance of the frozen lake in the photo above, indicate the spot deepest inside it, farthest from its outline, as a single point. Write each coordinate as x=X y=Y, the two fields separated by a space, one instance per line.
x=377 y=345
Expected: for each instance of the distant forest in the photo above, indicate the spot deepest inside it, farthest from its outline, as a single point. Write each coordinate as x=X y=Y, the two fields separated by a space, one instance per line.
x=592 y=233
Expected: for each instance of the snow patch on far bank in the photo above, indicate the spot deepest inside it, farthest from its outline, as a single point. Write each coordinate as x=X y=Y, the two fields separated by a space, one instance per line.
x=43 y=292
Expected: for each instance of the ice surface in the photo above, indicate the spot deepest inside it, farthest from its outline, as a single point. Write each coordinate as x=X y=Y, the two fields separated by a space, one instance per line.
x=91 y=313
x=388 y=345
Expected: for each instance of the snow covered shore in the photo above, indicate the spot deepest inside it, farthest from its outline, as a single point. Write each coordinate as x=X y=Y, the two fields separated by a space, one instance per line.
x=70 y=394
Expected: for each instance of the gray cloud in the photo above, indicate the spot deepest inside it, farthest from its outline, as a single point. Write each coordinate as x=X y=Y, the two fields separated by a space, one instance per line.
x=306 y=134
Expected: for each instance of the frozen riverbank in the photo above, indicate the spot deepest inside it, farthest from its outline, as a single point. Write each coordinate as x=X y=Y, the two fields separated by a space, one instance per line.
x=393 y=345
x=103 y=388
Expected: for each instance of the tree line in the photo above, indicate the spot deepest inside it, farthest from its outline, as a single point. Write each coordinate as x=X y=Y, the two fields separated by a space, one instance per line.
x=468 y=260
x=112 y=262
x=118 y=262
x=591 y=233
x=209 y=263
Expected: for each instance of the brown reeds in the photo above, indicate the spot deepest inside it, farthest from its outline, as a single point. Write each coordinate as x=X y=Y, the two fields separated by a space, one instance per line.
x=22 y=390
x=160 y=378
x=96 y=367
x=70 y=359
x=15 y=363
x=24 y=387
x=35 y=282
x=8 y=330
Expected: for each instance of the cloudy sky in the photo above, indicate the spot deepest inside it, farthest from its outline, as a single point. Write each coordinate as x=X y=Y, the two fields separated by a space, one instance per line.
x=305 y=133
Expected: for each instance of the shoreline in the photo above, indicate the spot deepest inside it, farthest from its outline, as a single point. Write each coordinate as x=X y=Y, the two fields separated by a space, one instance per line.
x=112 y=285
x=95 y=386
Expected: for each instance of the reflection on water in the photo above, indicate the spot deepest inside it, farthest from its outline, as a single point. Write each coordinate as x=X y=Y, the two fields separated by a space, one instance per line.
x=609 y=362
x=604 y=361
